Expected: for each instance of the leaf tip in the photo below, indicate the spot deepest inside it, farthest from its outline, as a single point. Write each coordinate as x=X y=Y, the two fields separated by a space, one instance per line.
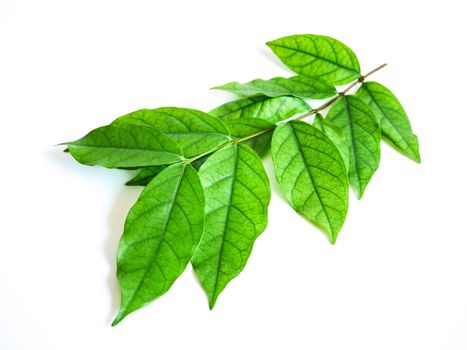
x=122 y=313
x=212 y=303
x=270 y=44
x=333 y=239
x=118 y=319
x=417 y=159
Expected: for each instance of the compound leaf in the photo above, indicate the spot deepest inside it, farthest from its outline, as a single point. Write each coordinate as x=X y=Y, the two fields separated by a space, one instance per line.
x=395 y=125
x=125 y=146
x=301 y=86
x=237 y=196
x=312 y=174
x=362 y=136
x=270 y=109
x=318 y=56
x=196 y=132
x=161 y=233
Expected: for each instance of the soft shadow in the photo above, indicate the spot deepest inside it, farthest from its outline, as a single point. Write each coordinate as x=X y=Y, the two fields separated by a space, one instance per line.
x=266 y=52
x=126 y=197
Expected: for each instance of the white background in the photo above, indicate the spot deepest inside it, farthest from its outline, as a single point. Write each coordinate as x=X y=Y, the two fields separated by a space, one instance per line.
x=397 y=277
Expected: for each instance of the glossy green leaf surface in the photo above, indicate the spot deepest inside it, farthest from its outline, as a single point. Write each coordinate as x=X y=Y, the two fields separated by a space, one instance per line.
x=161 y=233
x=394 y=122
x=237 y=196
x=125 y=146
x=301 y=86
x=335 y=134
x=312 y=175
x=196 y=132
x=362 y=136
x=249 y=126
x=318 y=56
x=145 y=176
x=270 y=109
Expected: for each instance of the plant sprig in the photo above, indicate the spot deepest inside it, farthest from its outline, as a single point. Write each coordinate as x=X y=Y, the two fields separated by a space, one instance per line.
x=206 y=192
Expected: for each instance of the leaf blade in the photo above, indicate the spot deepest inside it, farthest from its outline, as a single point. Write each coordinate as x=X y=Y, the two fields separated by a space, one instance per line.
x=300 y=86
x=312 y=175
x=236 y=214
x=196 y=132
x=125 y=146
x=394 y=122
x=319 y=56
x=362 y=135
x=270 y=109
x=161 y=233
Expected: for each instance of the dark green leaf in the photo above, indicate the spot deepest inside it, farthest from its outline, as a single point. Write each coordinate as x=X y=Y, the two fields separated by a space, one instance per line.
x=395 y=125
x=301 y=86
x=362 y=135
x=161 y=233
x=196 y=132
x=312 y=174
x=237 y=197
x=125 y=146
x=317 y=56
x=271 y=109
x=248 y=126
x=145 y=176
x=335 y=134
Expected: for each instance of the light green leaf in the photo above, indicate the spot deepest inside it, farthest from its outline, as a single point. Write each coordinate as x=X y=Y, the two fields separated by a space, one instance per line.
x=362 y=136
x=248 y=126
x=237 y=197
x=125 y=146
x=318 y=56
x=161 y=233
x=301 y=86
x=335 y=135
x=196 y=132
x=271 y=109
x=312 y=175
x=395 y=125
x=145 y=176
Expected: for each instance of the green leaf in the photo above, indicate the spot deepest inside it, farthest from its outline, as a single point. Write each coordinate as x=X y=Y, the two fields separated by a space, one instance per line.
x=335 y=134
x=196 y=132
x=237 y=197
x=248 y=126
x=395 y=125
x=161 y=233
x=271 y=109
x=125 y=146
x=362 y=136
x=301 y=86
x=145 y=176
x=318 y=56
x=312 y=175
